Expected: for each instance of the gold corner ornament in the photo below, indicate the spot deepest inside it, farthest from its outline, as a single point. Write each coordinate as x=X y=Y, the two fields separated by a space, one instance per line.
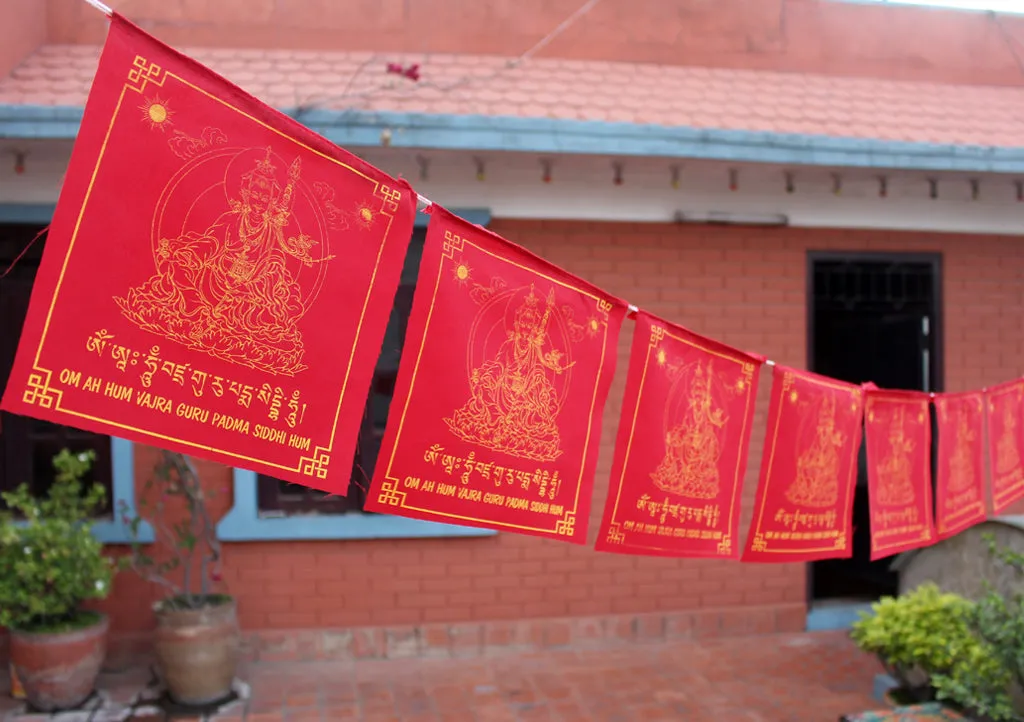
x=566 y=526
x=315 y=465
x=39 y=392
x=390 y=495
x=615 y=535
x=144 y=72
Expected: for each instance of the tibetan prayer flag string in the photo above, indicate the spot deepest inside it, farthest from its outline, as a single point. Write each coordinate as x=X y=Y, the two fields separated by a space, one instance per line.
x=898 y=434
x=1004 y=405
x=496 y=416
x=960 y=487
x=217 y=278
x=808 y=470
x=681 y=451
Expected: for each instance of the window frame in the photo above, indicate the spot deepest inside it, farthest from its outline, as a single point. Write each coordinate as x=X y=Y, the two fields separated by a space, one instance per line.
x=114 y=530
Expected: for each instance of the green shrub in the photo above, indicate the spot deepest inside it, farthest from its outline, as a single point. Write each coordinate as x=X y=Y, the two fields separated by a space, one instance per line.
x=977 y=683
x=998 y=621
x=933 y=635
x=49 y=561
x=925 y=630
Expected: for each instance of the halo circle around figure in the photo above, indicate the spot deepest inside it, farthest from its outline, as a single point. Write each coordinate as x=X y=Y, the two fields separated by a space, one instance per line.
x=496 y=322
x=216 y=182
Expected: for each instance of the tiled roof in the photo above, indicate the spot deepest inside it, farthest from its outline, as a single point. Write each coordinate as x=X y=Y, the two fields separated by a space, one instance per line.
x=578 y=90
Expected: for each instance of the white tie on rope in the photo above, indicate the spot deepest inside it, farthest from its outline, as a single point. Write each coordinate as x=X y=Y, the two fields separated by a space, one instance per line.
x=105 y=9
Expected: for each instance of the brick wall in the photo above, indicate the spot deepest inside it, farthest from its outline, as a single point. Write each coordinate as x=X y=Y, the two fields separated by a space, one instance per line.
x=745 y=287
x=817 y=36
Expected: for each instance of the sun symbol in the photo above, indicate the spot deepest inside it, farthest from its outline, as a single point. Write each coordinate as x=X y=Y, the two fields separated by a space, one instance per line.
x=793 y=396
x=662 y=358
x=920 y=418
x=740 y=385
x=364 y=216
x=593 y=325
x=462 y=272
x=157 y=113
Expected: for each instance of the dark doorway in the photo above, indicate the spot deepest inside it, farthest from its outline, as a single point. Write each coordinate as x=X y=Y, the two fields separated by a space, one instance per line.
x=27 y=446
x=871 y=317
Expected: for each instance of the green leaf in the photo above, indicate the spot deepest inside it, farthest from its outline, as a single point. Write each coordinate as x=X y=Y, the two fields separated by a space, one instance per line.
x=51 y=564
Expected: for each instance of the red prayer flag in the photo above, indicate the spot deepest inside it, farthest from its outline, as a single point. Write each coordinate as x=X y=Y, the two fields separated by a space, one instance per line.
x=217 y=278
x=899 y=440
x=681 y=451
x=1005 y=407
x=960 y=491
x=808 y=470
x=497 y=409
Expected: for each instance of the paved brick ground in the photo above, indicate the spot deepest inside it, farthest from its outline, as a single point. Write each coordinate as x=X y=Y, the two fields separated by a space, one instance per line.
x=779 y=678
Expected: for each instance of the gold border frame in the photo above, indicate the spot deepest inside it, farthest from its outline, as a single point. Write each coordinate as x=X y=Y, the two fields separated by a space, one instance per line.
x=389 y=492
x=725 y=545
x=924 y=530
x=980 y=505
x=757 y=535
x=38 y=388
x=998 y=506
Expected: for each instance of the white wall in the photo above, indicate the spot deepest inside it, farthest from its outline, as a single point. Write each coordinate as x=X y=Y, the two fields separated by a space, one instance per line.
x=582 y=188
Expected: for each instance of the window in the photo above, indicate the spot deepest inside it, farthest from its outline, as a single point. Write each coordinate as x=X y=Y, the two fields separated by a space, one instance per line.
x=27 y=446
x=280 y=498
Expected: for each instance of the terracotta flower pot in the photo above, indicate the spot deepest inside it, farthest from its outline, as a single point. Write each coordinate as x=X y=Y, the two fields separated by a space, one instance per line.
x=58 y=669
x=197 y=650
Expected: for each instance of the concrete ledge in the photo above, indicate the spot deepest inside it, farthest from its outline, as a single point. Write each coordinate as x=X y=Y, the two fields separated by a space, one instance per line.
x=833 y=617
x=485 y=638
x=882 y=686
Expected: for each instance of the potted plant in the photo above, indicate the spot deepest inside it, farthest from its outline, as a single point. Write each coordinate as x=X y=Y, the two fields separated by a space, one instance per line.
x=197 y=640
x=50 y=563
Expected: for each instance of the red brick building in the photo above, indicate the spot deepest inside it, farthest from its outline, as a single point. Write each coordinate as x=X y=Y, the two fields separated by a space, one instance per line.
x=833 y=184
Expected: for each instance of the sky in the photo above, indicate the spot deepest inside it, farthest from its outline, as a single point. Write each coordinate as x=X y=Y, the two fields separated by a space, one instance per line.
x=1004 y=6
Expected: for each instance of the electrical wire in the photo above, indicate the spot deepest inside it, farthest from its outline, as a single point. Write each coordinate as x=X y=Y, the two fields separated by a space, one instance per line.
x=512 y=64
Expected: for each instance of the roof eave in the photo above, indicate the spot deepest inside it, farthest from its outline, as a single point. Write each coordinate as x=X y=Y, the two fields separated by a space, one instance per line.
x=479 y=133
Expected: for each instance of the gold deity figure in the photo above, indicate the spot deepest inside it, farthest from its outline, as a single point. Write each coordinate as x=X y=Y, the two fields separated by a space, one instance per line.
x=692 y=447
x=1007 y=453
x=227 y=290
x=817 y=468
x=961 y=467
x=513 y=405
x=895 y=483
